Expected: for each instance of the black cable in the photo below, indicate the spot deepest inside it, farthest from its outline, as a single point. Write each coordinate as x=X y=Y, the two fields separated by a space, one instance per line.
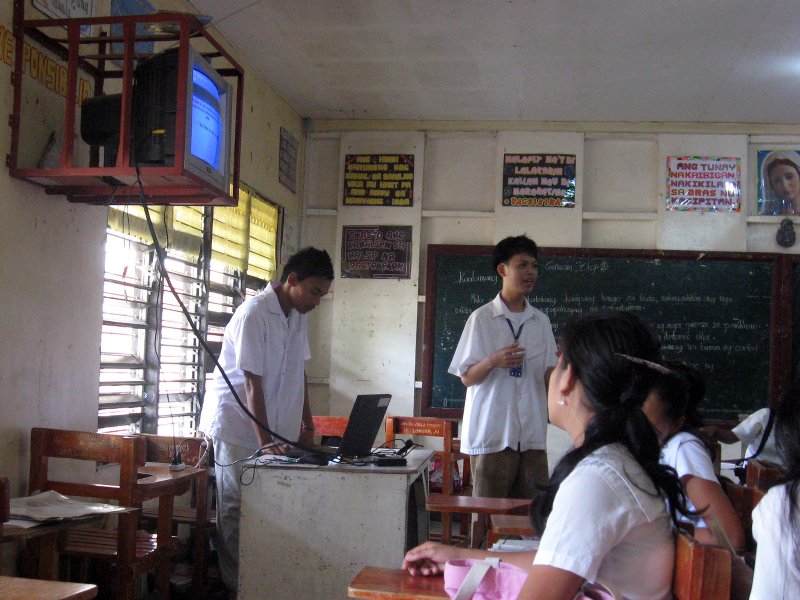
x=160 y=256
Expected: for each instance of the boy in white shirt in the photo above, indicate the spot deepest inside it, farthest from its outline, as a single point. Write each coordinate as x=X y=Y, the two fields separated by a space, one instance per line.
x=504 y=358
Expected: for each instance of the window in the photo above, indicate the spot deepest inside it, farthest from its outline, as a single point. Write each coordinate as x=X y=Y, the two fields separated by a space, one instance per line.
x=153 y=370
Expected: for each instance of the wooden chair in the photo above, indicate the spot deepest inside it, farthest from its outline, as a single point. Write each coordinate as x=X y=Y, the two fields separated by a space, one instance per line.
x=446 y=429
x=701 y=572
x=763 y=475
x=132 y=552
x=198 y=515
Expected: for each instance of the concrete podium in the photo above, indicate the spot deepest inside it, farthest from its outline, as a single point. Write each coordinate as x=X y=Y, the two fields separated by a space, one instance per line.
x=306 y=531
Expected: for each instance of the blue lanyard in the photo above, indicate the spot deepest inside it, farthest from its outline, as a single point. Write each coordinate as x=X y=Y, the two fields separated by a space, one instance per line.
x=511 y=327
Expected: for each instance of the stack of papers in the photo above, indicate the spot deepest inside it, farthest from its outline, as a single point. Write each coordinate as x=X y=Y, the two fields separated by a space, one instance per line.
x=52 y=506
x=515 y=545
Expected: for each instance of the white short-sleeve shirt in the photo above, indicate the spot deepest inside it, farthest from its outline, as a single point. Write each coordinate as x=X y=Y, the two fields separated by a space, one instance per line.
x=777 y=572
x=260 y=339
x=687 y=454
x=608 y=525
x=504 y=411
x=750 y=431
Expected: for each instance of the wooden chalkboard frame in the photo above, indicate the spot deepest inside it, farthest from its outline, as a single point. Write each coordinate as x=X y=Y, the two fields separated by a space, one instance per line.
x=781 y=330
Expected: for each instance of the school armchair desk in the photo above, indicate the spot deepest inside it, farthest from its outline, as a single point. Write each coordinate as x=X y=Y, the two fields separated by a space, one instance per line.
x=481 y=506
x=762 y=474
x=131 y=551
x=376 y=583
x=198 y=515
x=701 y=572
x=446 y=430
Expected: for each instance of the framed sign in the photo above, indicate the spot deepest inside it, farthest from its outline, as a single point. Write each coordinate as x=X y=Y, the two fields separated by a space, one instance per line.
x=704 y=183
x=376 y=252
x=539 y=180
x=379 y=180
x=287 y=160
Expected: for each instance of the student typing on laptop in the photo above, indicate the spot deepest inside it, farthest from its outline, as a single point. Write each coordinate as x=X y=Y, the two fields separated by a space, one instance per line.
x=264 y=350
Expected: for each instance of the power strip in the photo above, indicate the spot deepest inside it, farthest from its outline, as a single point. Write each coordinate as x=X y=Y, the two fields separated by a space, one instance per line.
x=388 y=461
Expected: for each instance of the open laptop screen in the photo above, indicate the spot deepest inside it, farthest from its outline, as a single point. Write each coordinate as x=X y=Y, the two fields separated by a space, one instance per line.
x=365 y=421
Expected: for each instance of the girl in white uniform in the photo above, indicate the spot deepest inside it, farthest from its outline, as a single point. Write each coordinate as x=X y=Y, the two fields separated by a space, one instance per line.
x=603 y=517
x=672 y=408
x=776 y=519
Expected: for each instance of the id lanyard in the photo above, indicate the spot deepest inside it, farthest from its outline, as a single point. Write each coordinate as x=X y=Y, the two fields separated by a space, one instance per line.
x=515 y=371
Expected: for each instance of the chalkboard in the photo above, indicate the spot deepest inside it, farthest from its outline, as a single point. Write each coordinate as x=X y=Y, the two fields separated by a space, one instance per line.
x=717 y=311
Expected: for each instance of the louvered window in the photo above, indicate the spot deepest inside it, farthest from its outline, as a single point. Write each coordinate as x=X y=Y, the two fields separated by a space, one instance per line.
x=154 y=371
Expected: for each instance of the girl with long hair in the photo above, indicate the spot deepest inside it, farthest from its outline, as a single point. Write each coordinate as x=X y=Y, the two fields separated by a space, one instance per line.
x=603 y=516
x=672 y=408
x=776 y=519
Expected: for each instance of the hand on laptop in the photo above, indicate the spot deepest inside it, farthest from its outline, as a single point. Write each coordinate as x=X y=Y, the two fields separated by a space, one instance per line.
x=274 y=448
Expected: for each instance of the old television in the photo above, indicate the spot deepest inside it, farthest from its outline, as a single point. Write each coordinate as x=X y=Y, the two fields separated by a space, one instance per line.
x=207 y=124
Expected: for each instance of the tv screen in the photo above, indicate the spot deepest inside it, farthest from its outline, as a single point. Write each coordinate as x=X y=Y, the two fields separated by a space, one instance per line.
x=207 y=124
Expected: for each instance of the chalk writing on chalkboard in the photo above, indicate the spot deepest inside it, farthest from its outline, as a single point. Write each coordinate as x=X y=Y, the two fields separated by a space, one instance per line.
x=713 y=312
x=376 y=252
x=539 y=180
x=379 y=180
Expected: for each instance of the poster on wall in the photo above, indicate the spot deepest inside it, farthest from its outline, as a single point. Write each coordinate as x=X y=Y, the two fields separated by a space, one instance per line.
x=778 y=182
x=379 y=180
x=539 y=180
x=704 y=183
x=376 y=252
x=287 y=160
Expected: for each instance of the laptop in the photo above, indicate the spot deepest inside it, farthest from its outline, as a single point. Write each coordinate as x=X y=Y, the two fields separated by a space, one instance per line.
x=363 y=425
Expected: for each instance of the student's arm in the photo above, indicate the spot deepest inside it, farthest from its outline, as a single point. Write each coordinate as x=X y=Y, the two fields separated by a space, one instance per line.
x=709 y=497
x=508 y=357
x=430 y=557
x=256 y=404
x=308 y=421
x=550 y=583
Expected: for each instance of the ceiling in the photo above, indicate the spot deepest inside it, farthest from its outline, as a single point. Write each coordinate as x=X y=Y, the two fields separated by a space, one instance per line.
x=732 y=61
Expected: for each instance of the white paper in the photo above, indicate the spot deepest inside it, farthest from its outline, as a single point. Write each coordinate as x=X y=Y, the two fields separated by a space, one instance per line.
x=51 y=505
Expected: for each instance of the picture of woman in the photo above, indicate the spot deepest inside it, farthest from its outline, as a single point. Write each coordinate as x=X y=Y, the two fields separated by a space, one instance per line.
x=779 y=182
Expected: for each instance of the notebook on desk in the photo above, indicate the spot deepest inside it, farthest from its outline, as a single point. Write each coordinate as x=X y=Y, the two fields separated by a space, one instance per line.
x=363 y=425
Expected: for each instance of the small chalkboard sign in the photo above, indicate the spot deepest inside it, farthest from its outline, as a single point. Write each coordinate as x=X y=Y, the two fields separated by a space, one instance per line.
x=717 y=311
x=378 y=180
x=376 y=252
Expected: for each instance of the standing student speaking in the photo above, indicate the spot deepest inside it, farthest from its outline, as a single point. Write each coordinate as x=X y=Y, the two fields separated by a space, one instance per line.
x=264 y=350
x=504 y=358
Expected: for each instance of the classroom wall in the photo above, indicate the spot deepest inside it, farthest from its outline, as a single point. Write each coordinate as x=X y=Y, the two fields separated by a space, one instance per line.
x=620 y=203
x=52 y=263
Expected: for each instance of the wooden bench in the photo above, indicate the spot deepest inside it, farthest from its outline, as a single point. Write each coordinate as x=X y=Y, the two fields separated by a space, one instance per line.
x=481 y=506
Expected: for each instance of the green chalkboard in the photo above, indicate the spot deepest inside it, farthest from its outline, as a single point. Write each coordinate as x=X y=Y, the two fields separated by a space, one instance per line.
x=717 y=311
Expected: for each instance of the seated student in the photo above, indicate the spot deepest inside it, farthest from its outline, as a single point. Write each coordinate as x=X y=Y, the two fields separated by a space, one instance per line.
x=672 y=407
x=603 y=517
x=749 y=432
x=776 y=519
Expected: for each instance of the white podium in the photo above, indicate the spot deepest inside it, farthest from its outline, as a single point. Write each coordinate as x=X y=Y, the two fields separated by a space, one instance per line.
x=306 y=530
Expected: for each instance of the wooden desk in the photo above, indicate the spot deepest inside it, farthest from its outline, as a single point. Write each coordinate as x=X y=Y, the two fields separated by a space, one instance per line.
x=17 y=588
x=481 y=506
x=508 y=525
x=376 y=583
x=47 y=536
x=306 y=531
